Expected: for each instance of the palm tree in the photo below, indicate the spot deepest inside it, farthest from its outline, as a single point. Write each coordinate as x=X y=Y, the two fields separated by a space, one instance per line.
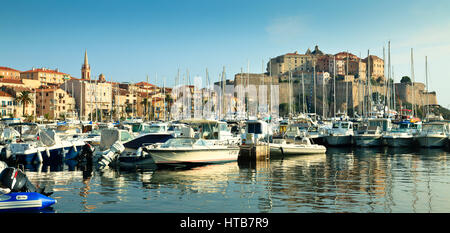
x=24 y=98
x=168 y=101
x=145 y=103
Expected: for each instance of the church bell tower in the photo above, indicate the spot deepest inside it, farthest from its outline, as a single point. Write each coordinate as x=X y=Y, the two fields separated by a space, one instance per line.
x=85 y=68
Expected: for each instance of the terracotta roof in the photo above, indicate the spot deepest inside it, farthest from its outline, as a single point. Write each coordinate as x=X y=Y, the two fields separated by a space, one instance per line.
x=15 y=81
x=144 y=84
x=45 y=90
x=45 y=70
x=374 y=57
x=10 y=69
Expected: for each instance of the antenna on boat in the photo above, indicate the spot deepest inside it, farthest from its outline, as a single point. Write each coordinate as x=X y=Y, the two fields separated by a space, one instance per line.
x=413 y=80
x=426 y=82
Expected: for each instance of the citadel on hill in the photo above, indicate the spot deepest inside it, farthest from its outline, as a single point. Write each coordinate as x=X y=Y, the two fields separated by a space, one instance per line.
x=314 y=72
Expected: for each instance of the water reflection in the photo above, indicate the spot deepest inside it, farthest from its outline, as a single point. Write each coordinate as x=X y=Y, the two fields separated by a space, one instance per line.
x=342 y=180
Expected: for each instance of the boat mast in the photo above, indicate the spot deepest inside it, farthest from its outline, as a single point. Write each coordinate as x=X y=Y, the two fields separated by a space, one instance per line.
x=393 y=89
x=290 y=93
x=271 y=84
x=384 y=74
x=248 y=83
x=334 y=86
x=426 y=82
x=346 y=87
x=389 y=78
x=323 y=95
x=369 y=102
x=303 y=93
x=413 y=79
x=314 y=79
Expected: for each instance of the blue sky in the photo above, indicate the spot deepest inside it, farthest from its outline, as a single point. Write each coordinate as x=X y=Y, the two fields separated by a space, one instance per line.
x=127 y=40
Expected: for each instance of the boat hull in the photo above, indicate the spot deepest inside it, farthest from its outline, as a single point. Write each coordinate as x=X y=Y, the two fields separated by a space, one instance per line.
x=399 y=141
x=286 y=149
x=55 y=155
x=432 y=141
x=368 y=141
x=25 y=201
x=338 y=140
x=132 y=162
x=203 y=156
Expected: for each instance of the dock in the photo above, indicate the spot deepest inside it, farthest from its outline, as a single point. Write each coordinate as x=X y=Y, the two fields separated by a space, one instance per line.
x=254 y=152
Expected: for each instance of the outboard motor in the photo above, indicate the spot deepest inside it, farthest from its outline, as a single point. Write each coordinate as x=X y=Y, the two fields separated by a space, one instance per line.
x=87 y=153
x=111 y=155
x=15 y=180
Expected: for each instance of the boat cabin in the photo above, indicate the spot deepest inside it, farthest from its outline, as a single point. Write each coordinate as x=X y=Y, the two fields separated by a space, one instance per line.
x=255 y=130
x=385 y=124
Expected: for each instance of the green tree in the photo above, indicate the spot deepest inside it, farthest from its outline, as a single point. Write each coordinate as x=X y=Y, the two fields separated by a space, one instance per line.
x=405 y=79
x=24 y=98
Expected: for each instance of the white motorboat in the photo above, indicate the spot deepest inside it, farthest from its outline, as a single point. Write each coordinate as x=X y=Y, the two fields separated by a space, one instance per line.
x=340 y=134
x=301 y=147
x=368 y=136
x=434 y=134
x=192 y=151
x=403 y=135
x=36 y=145
x=371 y=134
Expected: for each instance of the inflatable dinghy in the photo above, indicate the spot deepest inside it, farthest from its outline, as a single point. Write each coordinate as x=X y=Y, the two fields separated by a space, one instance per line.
x=25 y=201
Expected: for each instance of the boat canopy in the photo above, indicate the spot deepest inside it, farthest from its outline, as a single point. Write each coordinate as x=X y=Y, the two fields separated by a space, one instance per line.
x=184 y=142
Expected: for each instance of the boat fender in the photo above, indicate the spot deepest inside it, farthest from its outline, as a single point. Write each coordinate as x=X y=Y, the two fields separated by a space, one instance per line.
x=5 y=154
x=48 y=152
x=74 y=148
x=282 y=152
x=139 y=152
x=39 y=157
x=63 y=153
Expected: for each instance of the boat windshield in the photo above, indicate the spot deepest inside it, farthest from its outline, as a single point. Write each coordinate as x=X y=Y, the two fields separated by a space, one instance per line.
x=179 y=142
x=403 y=126
x=27 y=129
x=153 y=129
x=433 y=127
x=254 y=128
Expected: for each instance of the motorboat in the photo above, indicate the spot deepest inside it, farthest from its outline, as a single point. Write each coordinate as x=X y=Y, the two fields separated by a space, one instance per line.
x=36 y=145
x=298 y=127
x=340 y=134
x=433 y=134
x=301 y=147
x=371 y=134
x=192 y=151
x=403 y=134
x=24 y=201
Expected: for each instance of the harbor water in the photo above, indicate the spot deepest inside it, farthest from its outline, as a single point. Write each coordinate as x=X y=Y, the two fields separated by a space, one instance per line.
x=357 y=180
